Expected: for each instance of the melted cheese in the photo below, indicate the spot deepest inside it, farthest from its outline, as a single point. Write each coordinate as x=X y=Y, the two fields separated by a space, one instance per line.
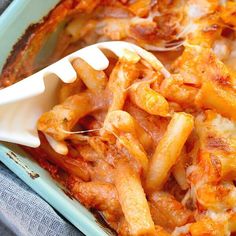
x=224 y=126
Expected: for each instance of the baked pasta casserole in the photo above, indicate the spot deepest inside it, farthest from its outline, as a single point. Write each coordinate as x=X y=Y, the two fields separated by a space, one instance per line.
x=153 y=149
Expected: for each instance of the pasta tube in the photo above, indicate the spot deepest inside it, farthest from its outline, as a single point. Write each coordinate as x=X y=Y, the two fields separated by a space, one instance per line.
x=133 y=201
x=168 y=150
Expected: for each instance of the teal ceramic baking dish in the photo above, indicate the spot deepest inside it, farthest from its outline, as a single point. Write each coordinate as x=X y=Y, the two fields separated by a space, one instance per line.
x=13 y=23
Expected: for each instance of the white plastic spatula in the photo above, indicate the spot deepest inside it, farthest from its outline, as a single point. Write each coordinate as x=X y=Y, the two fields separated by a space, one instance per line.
x=23 y=103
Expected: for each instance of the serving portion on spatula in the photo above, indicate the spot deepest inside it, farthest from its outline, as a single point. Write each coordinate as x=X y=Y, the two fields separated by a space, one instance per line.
x=23 y=103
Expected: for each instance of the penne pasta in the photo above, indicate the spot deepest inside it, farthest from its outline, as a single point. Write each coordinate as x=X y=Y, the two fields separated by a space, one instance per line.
x=123 y=122
x=168 y=150
x=93 y=79
x=175 y=90
x=64 y=116
x=149 y=100
x=167 y=211
x=124 y=73
x=68 y=90
x=133 y=201
x=135 y=149
x=214 y=97
x=129 y=134
x=179 y=170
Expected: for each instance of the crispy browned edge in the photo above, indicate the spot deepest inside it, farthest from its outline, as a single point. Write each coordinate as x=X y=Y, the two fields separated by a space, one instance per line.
x=23 y=41
x=31 y=41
